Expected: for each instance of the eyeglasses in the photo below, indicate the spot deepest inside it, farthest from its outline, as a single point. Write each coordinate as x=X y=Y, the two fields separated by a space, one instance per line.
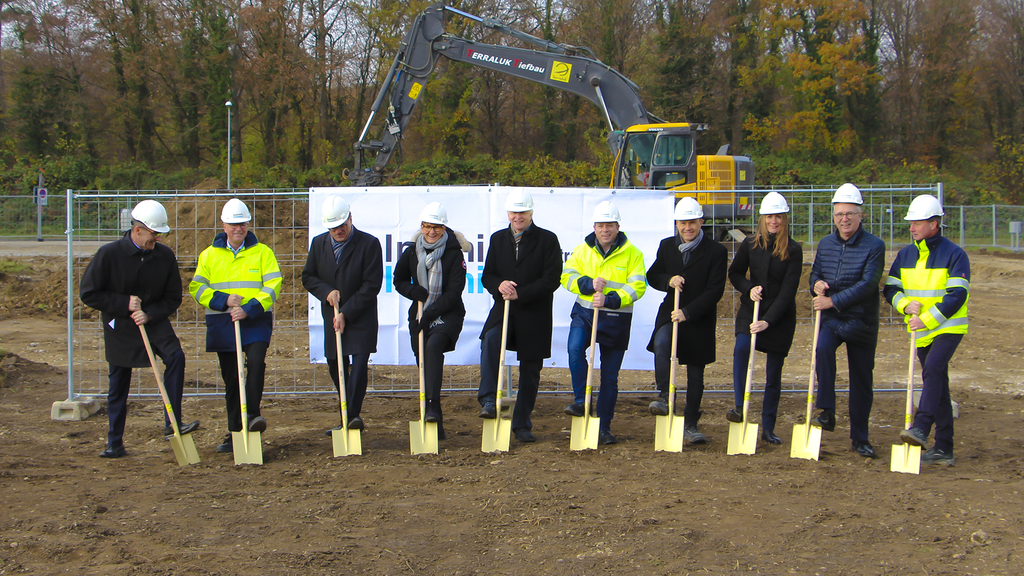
x=431 y=227
x=845 y=215
x=238 y=225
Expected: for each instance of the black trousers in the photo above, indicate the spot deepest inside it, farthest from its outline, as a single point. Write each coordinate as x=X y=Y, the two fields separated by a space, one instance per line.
x=662 y=367
x=529 y=379
x=357 y=375
x=120 y=382
x=434 y=346
x=255 y=369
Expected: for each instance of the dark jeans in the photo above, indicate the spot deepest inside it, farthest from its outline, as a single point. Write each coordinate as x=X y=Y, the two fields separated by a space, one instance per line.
x=663 y=366
x=357 y=375
x=773 y=379
x=935 y=407
x=255 y=369
x=120 y=382
x=611 y=361
x=862 y=365
x=529 y=379
x=434 y=345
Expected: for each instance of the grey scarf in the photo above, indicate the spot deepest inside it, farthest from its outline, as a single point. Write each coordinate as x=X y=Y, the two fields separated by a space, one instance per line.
x=686 y=247
x=428 y=266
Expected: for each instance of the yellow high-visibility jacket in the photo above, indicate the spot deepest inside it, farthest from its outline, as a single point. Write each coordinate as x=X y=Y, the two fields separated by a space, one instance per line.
x=937 y=273
x=623 y=269
x=253 y=274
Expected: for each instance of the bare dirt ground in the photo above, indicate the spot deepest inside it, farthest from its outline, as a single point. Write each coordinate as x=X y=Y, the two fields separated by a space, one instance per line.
x=538 y=509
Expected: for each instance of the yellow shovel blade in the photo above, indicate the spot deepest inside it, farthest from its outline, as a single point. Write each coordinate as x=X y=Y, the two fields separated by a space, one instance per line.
x=184 y=449
x=668 y=433
x=251 y=453
x=347 y=442
x=497 y=434
x=806 y=442
x=906 y=459
x=422 y=437
x=742 y=438
x=585 y=432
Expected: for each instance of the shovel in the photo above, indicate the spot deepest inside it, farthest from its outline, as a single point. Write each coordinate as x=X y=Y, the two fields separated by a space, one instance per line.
x=346 y=442
x=498 y=431
x=668 y=430
x=247 y=446
x=184 y=448
x=907 y=458
x=422 y=434
x=586 y=429
x=742 y=435
x=807 y=438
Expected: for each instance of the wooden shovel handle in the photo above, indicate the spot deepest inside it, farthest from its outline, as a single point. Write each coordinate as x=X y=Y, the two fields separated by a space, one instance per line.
x=341 y=376
x=501 y=356
x=159 y=380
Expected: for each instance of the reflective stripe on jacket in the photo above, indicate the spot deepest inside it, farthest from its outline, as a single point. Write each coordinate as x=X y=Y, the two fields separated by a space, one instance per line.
x=253 y=274
x=622 y=268
x=937 y=273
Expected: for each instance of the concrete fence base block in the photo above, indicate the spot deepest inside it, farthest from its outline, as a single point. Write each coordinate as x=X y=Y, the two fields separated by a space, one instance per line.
x=953 y=403
x=74 y=410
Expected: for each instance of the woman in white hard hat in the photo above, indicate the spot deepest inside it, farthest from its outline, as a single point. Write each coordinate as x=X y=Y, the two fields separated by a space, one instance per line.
x=774 y=261
x=433 y=271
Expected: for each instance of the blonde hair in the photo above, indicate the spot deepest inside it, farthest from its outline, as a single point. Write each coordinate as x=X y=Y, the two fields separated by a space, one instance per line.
x=781 y=250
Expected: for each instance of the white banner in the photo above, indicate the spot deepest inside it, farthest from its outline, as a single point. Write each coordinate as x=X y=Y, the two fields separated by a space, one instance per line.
x=392 y=215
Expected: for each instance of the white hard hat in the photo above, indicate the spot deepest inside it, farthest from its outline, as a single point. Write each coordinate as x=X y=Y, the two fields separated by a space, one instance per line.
x=688 y=209
x=335 y=211
x=519 y=201
x=152 y=214
x=606 y=212
x=924 y=207
x=235 y=212
x=434 y=213
x=774 y=203
x=848 y=194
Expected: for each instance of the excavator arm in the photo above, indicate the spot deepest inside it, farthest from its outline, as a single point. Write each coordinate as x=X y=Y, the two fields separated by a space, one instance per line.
x=569 y=68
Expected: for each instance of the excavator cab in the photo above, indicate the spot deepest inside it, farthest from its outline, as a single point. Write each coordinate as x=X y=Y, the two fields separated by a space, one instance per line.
x=656 y=156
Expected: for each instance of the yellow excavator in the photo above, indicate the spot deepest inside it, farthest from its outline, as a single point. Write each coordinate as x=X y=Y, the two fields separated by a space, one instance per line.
x=649 y=152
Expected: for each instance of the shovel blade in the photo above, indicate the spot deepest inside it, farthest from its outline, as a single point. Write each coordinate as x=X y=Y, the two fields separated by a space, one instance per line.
x=585 y=433
x=906 y=459
x=422 y=437
x=247 y=449
x=184 y=449
x=497 y=435
x=806 y=442
x=347 y=442
x=668 y=433
x=742 y=438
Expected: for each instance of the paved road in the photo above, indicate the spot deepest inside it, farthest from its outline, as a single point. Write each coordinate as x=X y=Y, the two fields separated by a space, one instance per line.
x=55 y=247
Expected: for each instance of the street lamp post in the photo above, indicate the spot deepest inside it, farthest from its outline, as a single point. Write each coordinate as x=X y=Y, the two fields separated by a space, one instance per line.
x=228 y=104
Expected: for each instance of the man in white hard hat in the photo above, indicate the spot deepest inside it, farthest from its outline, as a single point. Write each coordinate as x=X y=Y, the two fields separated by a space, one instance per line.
x=523 y=266
x=344 y=268
x=238 y=279
x=929 y=283
x=844 y=283
x=606 y=271
x=694 y=263
x=133 y=282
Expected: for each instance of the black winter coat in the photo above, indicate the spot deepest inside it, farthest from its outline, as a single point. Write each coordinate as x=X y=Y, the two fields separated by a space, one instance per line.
x=358 y=277
x=448 y=307
x=120 y=270
x=852 y=270
x=536 y=273
x=705 y=283
x=779 y=280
